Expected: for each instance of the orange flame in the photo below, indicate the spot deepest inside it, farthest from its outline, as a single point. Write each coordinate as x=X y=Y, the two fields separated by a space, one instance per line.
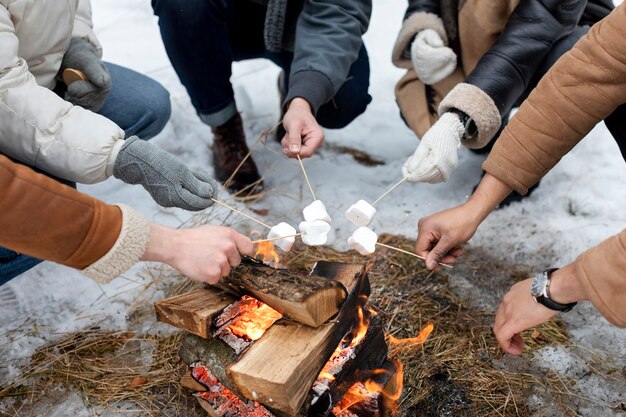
x=255 y=319
x=400 y=345
x=267 y=253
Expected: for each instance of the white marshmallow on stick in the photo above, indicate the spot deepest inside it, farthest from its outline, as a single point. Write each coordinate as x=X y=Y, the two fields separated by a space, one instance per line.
x=283 y=229
x=363 y=240
x=314 y=233
x=361 y=213
x=316 y=211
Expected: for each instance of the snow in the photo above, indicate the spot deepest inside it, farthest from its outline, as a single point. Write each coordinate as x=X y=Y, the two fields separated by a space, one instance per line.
x=580 y=203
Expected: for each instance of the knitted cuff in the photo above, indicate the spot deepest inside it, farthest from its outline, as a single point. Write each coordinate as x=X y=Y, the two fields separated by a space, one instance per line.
x=411 y=27
x=313 y=86
x=479 y=106
x=127 y=250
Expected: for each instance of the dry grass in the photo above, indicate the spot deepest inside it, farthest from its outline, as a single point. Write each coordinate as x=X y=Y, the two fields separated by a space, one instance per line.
x=456 y=372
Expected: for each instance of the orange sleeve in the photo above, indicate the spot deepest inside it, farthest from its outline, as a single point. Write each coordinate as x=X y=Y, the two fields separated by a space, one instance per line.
x=582 y=88
x=602 y=273
x=44 y=219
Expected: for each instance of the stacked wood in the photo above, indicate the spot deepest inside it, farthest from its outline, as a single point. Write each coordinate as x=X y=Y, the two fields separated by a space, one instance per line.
x=193 y=311
x=307 y=299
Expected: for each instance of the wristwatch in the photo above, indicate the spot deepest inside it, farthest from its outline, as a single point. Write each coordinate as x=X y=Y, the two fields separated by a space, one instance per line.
x=540 y=290
x=471 y=131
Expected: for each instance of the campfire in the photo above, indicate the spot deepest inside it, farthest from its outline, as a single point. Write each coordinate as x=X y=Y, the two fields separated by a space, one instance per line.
x=318 y=351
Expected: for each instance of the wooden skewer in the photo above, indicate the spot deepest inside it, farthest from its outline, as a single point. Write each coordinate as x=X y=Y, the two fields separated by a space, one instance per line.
x=306 y=177
x=240 y=212
x=388 y=191
x=275 y=238
x=410 y=253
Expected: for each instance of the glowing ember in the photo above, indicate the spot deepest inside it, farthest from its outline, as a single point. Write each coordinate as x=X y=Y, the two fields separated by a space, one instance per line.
x=255 y=318
x=400 y=345
x=267 y=253
x=222 y=400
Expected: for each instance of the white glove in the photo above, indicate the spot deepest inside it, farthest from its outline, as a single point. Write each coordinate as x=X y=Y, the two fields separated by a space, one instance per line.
x=432 y=60
x=437 y=154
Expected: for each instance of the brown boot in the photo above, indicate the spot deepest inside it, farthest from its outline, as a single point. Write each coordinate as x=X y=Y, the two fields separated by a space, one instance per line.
x=229 y=149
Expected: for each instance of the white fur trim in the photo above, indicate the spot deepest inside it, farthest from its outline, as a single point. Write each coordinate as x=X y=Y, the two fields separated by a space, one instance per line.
x=479 y=106
x=127 y=250
x=411 y=27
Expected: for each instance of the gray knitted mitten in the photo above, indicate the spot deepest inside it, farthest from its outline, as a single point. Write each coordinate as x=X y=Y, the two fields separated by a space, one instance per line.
x=92 y=93
x=164 y=176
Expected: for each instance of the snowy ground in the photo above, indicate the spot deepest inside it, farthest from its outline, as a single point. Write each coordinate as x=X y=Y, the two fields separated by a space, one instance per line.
x=580 y=203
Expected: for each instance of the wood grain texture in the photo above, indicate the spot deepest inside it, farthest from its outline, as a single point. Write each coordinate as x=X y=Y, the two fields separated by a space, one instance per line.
x=193 y=311
x=307 y=299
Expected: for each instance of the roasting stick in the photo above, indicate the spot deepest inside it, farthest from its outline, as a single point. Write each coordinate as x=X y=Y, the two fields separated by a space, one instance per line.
x=409 y=253
x=306 y=177
x=276 y=238
x=388 y=191
x=240 y=212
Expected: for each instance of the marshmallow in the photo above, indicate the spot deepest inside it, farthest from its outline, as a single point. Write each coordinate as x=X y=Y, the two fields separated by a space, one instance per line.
x=316 y=211
x=314 y=233
x=361 y=213
x=283 y=229
x=363 y=240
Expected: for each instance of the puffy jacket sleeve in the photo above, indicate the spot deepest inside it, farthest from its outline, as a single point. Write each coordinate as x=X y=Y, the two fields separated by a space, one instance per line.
x=48 y=220
x=582 y=88
x=328 y=40
x=601 y=271
x=83 y=25
x=505 y=71
x=42 y=130
x=420 y=15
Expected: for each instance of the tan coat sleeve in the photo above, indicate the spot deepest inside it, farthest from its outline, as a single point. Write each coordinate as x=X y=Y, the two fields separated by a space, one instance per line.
x=602 y=273
x=585 y=86
x=47 y=220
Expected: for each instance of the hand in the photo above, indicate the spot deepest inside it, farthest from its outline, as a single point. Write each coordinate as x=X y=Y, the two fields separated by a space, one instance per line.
x=437 y=155
x=519 y=311
x=204 y=253
x=164 y=176
x=441 y=235
x=303 y=135
x=432 y=60
x=92 y=93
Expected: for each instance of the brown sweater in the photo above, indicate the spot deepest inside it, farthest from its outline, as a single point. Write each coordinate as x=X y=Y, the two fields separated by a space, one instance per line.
x=585 y=86
x=47 y=220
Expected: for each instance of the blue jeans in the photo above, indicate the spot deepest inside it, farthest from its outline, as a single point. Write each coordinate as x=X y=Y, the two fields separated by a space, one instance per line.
x=203 y=38
x=137 y=104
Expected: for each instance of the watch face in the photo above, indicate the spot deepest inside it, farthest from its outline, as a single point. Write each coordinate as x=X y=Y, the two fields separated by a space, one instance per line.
x=538 y=285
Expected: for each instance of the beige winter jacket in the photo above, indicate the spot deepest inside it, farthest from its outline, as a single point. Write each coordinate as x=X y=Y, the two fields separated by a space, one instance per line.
x=585 y=86
x=37 y=127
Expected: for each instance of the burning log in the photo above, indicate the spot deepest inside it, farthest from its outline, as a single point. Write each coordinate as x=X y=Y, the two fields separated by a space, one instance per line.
x=308 y=299
x=193 y=311
x=364 y=352
x=243 y=322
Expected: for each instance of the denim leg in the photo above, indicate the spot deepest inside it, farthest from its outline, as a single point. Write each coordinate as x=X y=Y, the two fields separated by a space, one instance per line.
x=352 y=98
x=136 y=103
x=202 y=39
x=13 y=264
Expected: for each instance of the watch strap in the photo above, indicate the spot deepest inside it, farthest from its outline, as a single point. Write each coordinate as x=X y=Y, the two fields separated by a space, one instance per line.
x=546 y=301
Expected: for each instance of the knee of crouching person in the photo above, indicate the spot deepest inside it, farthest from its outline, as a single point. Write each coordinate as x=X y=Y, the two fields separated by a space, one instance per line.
x=158 y=114
x=335 y=115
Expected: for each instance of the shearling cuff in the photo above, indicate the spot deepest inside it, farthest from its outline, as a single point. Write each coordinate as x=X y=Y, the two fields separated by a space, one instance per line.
x=127 y=250
x=411 y=27
x=479 y=106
